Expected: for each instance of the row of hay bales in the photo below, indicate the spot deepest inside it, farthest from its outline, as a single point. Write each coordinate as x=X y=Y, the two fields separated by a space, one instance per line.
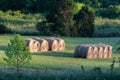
x=93 y=51
x=43 y=45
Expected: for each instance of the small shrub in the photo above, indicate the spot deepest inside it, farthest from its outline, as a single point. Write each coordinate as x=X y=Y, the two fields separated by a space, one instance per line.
x=17 y=53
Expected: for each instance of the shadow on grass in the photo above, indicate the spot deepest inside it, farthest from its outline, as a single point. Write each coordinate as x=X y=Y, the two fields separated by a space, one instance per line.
x=55 y=54
x=3 y=47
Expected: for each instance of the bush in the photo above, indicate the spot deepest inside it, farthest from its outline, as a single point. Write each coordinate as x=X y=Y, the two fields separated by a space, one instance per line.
x=4 y=29
x=44 y=28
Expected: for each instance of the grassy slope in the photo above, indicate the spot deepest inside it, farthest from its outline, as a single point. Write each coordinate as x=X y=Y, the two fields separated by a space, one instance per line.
x=63 y=59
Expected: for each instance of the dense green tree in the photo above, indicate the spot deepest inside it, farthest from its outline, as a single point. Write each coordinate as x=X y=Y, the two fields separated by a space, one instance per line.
x=85 y=22
x=62 y=17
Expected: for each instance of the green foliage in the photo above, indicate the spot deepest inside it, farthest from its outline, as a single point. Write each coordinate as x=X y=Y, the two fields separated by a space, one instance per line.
x=17 y=52
x=62 y=17
x=85 y=22
x=78 y=6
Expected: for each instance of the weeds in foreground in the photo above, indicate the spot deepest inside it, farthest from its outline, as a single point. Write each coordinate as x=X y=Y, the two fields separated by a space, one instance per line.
x=95 y=74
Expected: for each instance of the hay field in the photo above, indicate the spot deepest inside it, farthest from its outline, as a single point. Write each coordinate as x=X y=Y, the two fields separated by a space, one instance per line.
x=64 y=59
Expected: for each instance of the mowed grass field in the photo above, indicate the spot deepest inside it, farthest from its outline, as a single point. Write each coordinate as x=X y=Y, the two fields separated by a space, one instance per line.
x=63 y=59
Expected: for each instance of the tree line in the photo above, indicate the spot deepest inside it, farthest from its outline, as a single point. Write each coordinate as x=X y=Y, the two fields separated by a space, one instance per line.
x=66 y=17
x=102 y=7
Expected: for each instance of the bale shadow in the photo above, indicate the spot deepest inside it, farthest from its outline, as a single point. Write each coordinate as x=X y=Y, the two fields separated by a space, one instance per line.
x=56 y=54
x=3 y=47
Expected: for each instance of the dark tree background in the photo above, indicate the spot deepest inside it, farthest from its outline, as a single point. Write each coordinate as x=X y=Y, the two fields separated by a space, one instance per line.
x=59 y=14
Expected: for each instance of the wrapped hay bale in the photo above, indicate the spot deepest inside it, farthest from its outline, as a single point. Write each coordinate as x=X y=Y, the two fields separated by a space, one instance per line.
x=83 y=51
x=43 y=44
x=77 y=52
x=32 y=44
x=53 y=44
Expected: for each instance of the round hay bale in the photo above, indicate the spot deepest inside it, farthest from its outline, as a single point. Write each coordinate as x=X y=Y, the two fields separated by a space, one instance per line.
x=53 y=44
x=109 y=51
x=61 y=44
x=100 y=51
x=109 y=55
x=95 y=51
x=105 y=50
x=89 y=54
x=83 y=51
x=32 y=44
x=43 y=44
x=77 y=52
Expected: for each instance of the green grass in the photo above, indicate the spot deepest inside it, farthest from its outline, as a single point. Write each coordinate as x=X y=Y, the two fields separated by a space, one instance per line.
x=63 y=59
